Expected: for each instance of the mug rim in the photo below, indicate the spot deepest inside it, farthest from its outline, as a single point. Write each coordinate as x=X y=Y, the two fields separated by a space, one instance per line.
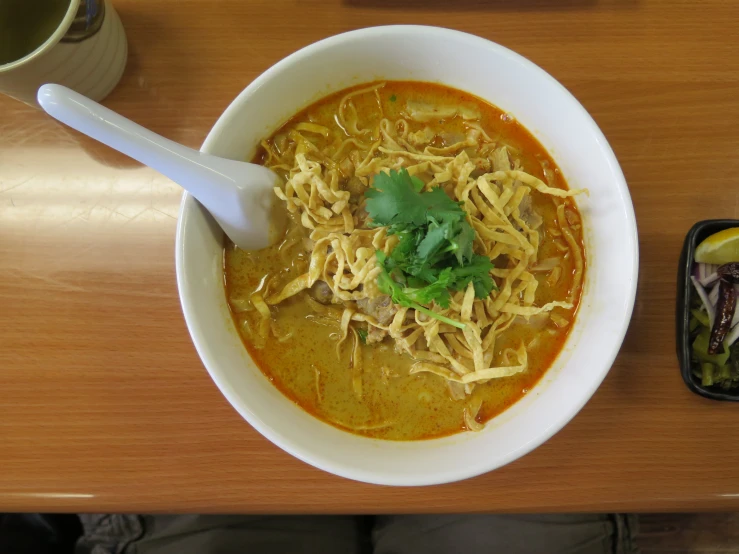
x=50 y=42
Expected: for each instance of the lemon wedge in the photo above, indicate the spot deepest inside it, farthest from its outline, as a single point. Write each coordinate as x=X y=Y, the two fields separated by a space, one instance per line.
x=720 y=248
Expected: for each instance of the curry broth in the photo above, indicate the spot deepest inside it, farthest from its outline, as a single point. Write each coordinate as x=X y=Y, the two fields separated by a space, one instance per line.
x=299 y=354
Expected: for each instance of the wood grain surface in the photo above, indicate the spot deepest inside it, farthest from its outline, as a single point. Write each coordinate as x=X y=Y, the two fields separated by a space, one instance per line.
x=104 y=404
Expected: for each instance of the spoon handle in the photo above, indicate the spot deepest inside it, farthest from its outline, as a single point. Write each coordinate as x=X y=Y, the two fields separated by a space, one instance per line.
x=178 y=162
x=238 y=194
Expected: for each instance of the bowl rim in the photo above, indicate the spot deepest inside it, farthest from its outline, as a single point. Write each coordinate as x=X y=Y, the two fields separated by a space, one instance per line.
x=345 y=470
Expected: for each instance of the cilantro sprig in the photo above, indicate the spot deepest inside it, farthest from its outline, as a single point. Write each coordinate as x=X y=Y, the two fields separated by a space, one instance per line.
x=434 y=254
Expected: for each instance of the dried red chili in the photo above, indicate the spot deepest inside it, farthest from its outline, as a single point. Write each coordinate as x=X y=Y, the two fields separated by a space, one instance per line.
x=724 y=314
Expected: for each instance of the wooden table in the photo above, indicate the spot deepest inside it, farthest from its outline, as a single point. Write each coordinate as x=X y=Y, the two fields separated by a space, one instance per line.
x=105 y=405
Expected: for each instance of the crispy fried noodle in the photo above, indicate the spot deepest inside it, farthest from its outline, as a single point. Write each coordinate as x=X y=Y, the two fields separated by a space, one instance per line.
x=324 y=190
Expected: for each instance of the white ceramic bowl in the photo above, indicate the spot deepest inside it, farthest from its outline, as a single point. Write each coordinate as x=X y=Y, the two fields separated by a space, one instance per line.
x=559 y=122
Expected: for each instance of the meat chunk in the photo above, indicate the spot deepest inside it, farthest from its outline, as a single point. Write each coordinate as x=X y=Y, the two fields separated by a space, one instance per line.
x=381 y=308
x=361 y=217
x=375 y=335
x=355 y=187
x=321 y=292
x=532 y=219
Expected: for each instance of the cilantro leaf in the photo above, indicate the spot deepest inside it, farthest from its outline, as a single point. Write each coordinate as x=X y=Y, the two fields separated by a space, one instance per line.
x=434 y=254
x=462 y=243
x=436 y=291
x=476 y=272
x=436 y=238
x=412 y=297
x=394 y=199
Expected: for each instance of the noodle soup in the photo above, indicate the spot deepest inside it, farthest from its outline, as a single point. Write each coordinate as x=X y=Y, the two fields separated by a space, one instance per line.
x=392 y=312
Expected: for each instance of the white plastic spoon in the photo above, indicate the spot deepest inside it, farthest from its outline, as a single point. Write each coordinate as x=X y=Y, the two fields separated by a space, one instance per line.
x=239 y=195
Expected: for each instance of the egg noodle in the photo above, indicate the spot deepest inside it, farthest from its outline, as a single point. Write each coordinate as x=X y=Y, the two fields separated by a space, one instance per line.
x=343 y=244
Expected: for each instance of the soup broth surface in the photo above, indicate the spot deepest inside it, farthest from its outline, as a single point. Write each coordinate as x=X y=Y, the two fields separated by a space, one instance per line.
x=298 y=348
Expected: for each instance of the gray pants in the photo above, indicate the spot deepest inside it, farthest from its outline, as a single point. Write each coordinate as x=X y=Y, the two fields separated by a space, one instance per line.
x=468 y=534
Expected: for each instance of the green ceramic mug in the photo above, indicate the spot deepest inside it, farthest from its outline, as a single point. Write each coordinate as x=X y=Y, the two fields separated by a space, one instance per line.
x=77 y=43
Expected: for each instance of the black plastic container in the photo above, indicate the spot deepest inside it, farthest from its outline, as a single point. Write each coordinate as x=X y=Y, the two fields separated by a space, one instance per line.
x=685 y=289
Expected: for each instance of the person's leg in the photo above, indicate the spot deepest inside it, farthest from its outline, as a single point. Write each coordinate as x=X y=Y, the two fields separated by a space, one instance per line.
x=195 y=534
x=504 y=534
